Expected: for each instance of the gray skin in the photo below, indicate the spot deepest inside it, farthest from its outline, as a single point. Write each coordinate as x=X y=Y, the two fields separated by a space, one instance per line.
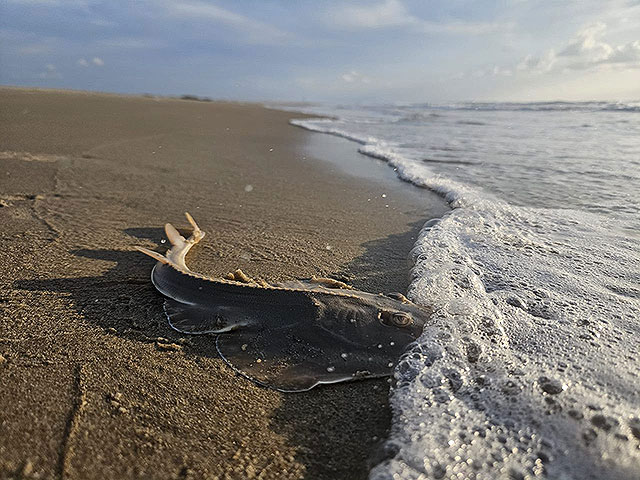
x=291 y=336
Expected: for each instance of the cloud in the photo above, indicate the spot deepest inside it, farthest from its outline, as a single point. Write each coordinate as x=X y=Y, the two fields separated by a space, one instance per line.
x=132 y=43
x=501 y=71
x=392 y=13
x=50 y=72
x=495 y=71
x=355 y=77
x=389 y=13
x=35 y=49
x=254 y=30
x=538 y=64
x=97 y=61
x=587 y=50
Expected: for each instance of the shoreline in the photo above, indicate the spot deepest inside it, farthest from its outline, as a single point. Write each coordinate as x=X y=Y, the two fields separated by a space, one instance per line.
x=93 y=379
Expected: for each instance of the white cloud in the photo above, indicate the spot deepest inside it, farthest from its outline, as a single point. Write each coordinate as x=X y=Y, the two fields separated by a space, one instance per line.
x=50 y=72
x=355 y=77
x=495 y=71
x=627 y=53
x=255 y=31
x=392 y=13
x=389 y=13
x=533 y=63
x=587 y=50
x=501 y=71
x=97 y=61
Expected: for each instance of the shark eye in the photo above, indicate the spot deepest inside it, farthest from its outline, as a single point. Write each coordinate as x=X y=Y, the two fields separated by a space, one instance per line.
x=394 y=319
x=401 y=319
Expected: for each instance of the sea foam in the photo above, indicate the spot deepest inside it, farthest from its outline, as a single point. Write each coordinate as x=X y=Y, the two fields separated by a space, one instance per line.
x=530 y=367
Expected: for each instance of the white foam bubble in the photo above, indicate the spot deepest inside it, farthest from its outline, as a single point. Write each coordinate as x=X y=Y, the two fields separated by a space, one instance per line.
x=529 y=348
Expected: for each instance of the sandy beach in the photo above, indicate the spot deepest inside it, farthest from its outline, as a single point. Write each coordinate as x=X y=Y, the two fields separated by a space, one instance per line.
x=93 y=382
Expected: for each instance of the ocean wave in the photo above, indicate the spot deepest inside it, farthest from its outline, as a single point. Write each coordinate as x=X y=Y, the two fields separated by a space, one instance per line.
x=454 y=193
x=447 y=161
x=524 y=369
x=543 y=106
x=326 y=126
x=418 y=117
x=529 y=367
x=470 y=122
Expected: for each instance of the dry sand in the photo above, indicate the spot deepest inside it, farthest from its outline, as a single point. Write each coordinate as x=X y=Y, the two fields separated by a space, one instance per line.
x=93 y=383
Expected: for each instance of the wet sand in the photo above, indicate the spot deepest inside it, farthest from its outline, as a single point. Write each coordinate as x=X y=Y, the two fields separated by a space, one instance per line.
x=93 y=383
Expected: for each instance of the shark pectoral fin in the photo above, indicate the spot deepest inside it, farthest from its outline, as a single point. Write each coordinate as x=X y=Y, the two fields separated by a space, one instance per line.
x=159 y=257
x=198 y=319
x=174 y=236
x=285 y=362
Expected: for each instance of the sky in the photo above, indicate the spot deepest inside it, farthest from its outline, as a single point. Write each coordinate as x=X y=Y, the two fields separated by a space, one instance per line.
x=373 y=51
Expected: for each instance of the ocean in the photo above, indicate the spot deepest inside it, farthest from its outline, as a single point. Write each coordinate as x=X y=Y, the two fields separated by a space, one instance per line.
x=530 y=368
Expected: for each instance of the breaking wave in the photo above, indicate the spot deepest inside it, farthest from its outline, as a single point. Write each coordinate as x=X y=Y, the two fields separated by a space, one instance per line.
x=530 y=366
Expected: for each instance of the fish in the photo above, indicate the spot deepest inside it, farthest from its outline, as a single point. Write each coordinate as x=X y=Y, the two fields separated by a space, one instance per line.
x=289 y=336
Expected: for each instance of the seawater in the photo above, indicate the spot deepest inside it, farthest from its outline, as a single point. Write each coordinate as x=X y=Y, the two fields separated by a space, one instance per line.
x=530 y=368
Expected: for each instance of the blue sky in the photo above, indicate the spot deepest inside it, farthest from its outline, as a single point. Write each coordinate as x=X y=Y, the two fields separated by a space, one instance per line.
x=360 y=51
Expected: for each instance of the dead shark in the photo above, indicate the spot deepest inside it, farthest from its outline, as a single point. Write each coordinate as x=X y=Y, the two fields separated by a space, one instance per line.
x=289 y=336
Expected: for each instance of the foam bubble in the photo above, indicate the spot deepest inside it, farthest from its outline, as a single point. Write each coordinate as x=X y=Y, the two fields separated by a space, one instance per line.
x=520 y=347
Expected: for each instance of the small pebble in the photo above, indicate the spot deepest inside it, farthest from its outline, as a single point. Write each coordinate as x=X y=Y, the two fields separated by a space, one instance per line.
x=27 y=468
